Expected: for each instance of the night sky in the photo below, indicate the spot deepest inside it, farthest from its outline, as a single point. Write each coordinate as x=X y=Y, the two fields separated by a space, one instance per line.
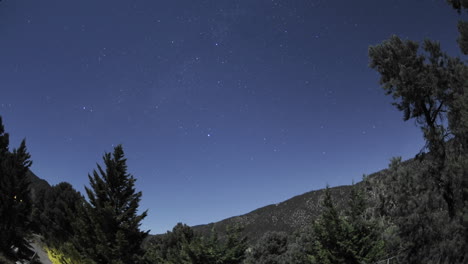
x=222 y=106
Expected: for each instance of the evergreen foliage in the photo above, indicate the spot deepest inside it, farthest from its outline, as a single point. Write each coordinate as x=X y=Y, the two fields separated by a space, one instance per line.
x=330 y=231
x=235 y=245
x=270 y=249
x=171 y=247
x=349 y=238
x=182 y=245
x=108 y=227
x=15 y=204
x=213 y=250
x=367 y=243
x=300 y=247
x=207 y=250
x=54 y=213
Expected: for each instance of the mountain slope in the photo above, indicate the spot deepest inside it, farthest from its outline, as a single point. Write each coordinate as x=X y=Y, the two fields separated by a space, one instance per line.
x=288 y=216
x=291 y=215
x=37 y=184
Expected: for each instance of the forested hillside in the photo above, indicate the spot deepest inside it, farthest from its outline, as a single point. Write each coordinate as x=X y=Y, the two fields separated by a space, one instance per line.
x=298 y=212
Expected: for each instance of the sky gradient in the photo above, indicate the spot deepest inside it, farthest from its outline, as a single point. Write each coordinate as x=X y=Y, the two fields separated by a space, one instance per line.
x=222 y=106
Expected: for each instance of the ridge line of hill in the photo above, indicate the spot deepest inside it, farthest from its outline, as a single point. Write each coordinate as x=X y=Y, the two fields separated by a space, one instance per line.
x=290 y=215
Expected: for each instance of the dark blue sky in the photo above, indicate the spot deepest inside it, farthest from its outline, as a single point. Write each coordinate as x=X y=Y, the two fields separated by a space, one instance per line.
x=222 y=106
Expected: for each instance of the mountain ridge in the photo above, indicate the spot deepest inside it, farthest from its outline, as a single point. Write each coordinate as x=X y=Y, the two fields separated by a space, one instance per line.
x=290 y=215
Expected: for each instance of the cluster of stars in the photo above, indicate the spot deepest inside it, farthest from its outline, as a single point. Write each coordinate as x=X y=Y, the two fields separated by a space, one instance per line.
x=87 y=109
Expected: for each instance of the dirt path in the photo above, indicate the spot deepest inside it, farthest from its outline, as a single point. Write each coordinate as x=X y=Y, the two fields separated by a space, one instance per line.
x=42 y=255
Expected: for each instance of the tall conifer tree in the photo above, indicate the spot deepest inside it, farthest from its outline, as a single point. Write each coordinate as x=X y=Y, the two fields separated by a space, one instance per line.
x=15 y=204
x=331 y=234
x=109 y=229
x=349 y=238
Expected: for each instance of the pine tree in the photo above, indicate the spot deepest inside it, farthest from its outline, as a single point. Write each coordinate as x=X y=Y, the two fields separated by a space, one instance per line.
x=366 y=242
x=183 y=246
x=331 y=234
x=300 y=246
x=204 y=250
x=15 y=204
x=55 y=211
x=213 y=250
x=348 y=238
x=234 y=247
x=109 y=224
x=270 y=249
x=171 y=248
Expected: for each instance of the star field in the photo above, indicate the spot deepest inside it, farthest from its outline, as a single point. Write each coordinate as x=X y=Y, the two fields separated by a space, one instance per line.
x=221 y=106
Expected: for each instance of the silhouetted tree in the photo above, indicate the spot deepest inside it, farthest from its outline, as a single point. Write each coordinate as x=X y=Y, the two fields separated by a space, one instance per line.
x=15 y=204
x=459 y=5
x=109 y=226
x=55 y=211
x=183 y=246
x=430 y=203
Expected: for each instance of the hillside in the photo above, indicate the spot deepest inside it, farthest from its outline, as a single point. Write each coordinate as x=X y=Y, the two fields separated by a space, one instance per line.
x=291 y=215
x=37 y=184
x=288 y=216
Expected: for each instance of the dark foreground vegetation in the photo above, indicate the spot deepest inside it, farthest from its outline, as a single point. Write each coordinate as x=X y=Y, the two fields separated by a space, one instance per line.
x=415 y=214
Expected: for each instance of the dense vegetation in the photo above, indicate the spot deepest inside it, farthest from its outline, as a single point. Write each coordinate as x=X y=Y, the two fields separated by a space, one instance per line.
x=415 y=214
x=15 y=202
